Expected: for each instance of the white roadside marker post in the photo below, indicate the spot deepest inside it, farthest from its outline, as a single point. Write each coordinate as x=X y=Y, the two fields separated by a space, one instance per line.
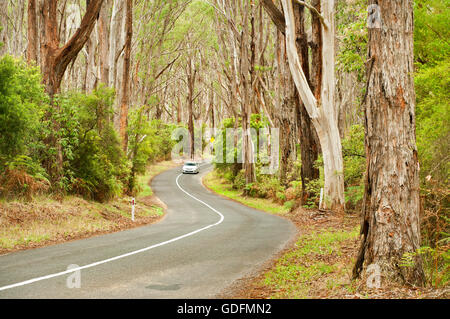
x=321 y=198
x=132 y=209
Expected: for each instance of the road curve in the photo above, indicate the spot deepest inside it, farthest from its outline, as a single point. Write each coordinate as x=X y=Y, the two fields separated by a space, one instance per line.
x=203 y=245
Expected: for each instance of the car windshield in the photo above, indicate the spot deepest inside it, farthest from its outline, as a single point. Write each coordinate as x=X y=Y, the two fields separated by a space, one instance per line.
x=190 y=164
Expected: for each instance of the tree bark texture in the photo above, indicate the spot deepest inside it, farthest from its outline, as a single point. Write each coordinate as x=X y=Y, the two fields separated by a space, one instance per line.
x=55 y=59
x=390 y=225
x=103 y=37
x=322 y=112
x=32 y=47
x=309 y=147
x=126 y=76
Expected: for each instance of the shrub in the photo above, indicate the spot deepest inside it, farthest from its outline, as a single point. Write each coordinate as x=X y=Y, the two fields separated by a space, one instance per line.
x=290 y=205
x=239 y=180
x=23 y=178
x=148 y=142
x=21 y=107
x=94 y=164
x=432 y=120
x=313 y=188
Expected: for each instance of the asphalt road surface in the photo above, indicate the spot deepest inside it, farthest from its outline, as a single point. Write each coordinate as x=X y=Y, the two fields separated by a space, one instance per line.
x=203 y=245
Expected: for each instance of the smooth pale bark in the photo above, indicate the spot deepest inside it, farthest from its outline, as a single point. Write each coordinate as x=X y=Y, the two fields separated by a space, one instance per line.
x=321 y=112
x=91 y=68
x=304 y=131
x=390 y=225
x=113 y=36
x=126 y=76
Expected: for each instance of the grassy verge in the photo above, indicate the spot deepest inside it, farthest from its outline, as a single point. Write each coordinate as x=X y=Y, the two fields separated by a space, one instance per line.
x=45 y=221
x=318 y=267
x=320 y=261
x=224 y=188
x=319 y=264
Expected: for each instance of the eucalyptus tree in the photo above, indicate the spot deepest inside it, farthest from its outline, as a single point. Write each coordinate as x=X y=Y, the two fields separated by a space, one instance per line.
x=55 y=58
x=390 y=226
x=239 y=17
x=124 y=106
x=321 y=109
x=309 y=52
x=159 y=46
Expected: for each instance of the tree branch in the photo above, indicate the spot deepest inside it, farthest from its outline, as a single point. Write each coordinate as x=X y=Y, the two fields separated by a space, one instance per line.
x=313 y=10
x=71 y=49
x=275 y=14
x=295 y=66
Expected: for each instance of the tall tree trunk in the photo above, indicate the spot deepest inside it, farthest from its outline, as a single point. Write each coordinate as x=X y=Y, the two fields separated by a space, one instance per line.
x=55 y=59
x=390 y=225
x=3 y=27
x=126 y=76
x=246 y=105
x=321 y=112
x=308 y=137
x=286 y=106
x=113 y=36
x=32 y=48
x=91 y=69
x=178 y=109
x=191 y=76
x=103 y=38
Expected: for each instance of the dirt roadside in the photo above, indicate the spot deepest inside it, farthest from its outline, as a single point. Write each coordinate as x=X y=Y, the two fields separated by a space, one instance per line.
x=46 y=221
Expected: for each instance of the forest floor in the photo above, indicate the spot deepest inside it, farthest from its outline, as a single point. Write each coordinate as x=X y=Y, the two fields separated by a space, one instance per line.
x=46 y=221
x=318 y=264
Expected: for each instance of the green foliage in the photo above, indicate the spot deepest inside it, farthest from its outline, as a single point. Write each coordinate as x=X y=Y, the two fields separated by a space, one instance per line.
x=435 y=262
x=432 y=51
x=313 y=188
x=94 y=163
x=22 y=177
x=148 y=142
x=313 y=258
x=289 y=204
x=352 y=32
x=28 y=165
x=354 y=166
x=431 y=33
x=21 y=107
x=432 y=120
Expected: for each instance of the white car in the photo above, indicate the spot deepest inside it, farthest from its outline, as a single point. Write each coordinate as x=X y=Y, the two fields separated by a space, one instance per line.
x=190 y=168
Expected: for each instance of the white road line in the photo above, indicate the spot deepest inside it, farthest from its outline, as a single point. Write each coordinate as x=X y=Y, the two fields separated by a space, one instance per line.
x=62 y=273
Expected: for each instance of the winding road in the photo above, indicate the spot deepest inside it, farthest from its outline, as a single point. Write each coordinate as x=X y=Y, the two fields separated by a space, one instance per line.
x=203 y=245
